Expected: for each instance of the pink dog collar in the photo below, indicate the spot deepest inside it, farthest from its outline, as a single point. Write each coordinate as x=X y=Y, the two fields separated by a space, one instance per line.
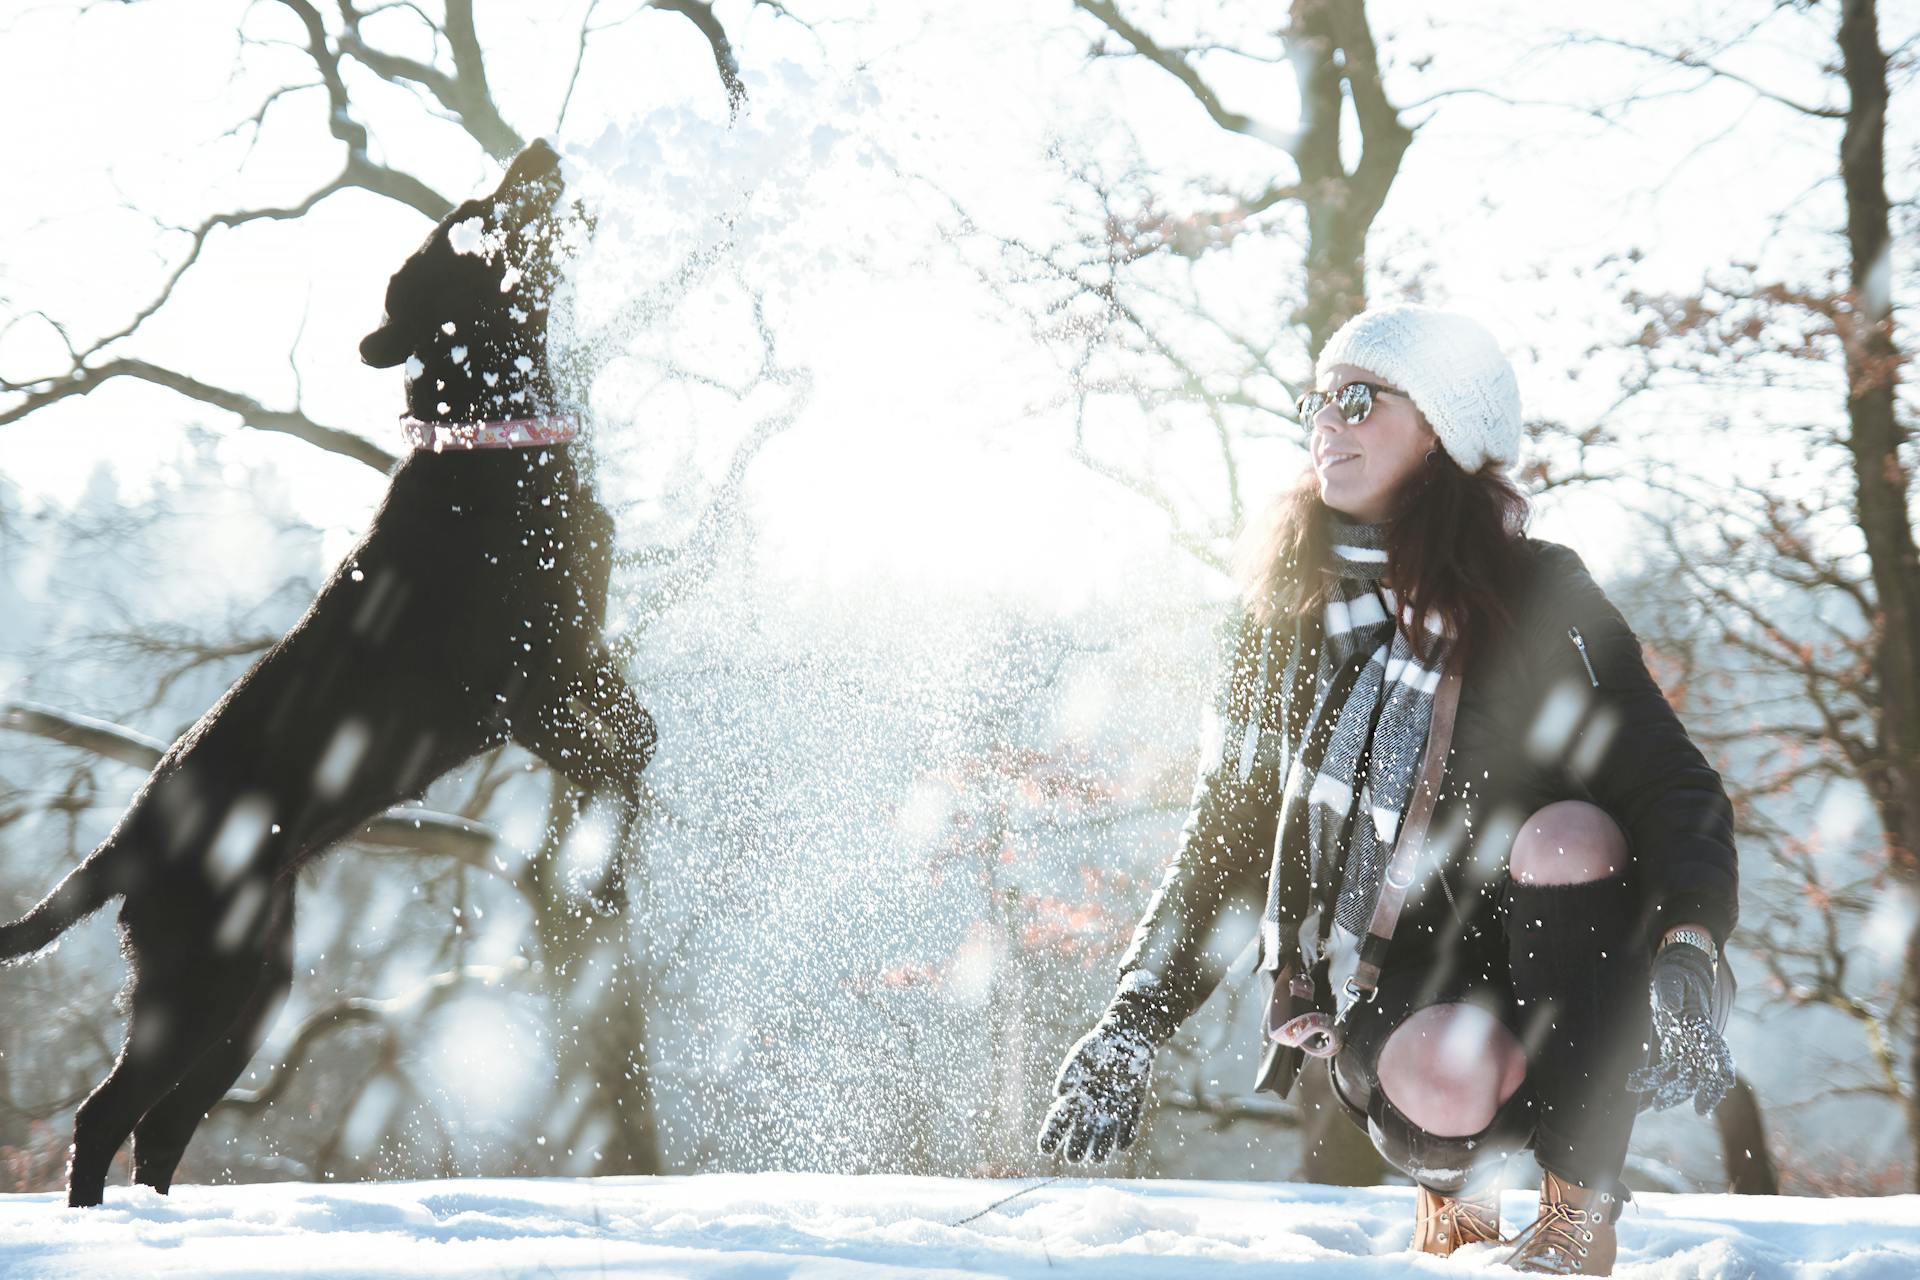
x=514 y=433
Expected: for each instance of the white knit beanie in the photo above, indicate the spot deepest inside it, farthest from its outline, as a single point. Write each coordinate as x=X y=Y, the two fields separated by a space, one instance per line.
x=1450 y=365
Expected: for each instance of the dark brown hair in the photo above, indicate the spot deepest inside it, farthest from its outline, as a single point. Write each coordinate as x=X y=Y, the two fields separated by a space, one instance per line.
x=1450 y=545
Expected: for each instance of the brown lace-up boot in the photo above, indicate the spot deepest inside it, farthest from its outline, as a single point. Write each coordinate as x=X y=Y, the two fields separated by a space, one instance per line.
x=1574 y=1234
x=1443 y=1223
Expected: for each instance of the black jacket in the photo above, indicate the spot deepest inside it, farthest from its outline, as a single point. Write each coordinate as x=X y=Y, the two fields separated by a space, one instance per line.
x=1560 y=706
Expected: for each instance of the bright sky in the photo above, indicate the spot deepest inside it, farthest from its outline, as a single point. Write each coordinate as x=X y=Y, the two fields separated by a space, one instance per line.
x=931 y=437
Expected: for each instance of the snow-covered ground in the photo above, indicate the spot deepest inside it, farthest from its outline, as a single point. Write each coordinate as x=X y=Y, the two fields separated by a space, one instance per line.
x=817 y=1225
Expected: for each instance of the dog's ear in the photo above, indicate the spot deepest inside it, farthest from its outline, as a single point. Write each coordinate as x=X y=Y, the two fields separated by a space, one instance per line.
x=400 y=327
x=386 y=346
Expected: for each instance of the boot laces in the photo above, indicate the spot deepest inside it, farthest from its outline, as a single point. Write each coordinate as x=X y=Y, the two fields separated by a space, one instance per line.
x=1558 y=1238
x=1477 y=1219
x=1466 y=1219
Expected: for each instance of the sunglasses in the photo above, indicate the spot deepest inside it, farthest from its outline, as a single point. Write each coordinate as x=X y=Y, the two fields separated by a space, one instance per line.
x=1355 y=402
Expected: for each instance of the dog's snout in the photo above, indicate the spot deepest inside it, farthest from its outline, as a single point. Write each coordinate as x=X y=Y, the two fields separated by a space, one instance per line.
x=537 y=161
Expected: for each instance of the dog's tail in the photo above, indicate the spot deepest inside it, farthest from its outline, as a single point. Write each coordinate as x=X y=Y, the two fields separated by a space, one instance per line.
x=85 y=890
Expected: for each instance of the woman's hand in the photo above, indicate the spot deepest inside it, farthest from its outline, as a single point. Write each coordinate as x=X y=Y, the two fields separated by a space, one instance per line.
x=1102 y=1087
x=1694 y=1059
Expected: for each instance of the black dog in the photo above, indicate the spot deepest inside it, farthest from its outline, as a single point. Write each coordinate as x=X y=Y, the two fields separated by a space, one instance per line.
x=468 y=616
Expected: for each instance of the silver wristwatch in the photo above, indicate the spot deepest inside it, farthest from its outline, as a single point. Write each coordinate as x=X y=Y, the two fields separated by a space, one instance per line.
x=1693 y=937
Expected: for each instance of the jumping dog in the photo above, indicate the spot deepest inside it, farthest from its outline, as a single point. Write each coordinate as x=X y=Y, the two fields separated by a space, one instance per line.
x=468 y=616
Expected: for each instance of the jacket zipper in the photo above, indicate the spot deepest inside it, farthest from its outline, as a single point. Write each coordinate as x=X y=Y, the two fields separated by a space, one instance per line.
x=1580 y=643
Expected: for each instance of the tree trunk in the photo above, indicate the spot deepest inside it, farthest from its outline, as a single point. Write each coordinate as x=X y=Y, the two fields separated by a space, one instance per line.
x=598 y=991
x=1333 y=1149
x=1744 y=1153
x=1329 y=43
x=13 y=1126
x=1906 y=993
x=1874 y=437
x=1015 y=1089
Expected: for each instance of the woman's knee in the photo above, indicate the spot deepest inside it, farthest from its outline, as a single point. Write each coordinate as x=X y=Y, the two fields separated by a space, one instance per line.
x=1448 y=1068
x=1568 y=842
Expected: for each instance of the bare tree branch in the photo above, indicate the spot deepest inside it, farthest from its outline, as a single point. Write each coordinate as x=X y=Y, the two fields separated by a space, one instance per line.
x=198 y=240
x=404 y=828
x=464 y=92
x=1180 y=69
x=1231 y=1108
x=1480 y=91
x=692 y=559
x=1693 y=62
x=361 y=1011
x=579 y=60
x=290 y=422
x=700 y=14
x=256 y=122
x=1197 y=547
x=101 y=737
x=361 y=168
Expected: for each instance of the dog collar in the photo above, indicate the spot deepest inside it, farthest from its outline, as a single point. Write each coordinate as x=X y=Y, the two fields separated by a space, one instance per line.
x=513 y=433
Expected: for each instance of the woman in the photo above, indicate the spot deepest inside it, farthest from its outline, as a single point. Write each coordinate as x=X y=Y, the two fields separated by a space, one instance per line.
x=1576 y=852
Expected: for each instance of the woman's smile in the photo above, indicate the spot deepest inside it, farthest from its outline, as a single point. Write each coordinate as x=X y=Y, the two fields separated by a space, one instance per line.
x=1397 y=440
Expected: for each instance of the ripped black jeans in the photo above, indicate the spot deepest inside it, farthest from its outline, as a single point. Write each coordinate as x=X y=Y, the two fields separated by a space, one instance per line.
x=1564 y=968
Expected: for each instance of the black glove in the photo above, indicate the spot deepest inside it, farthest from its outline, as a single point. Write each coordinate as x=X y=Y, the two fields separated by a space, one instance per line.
x=1103 y=1085
x=1694 y=1059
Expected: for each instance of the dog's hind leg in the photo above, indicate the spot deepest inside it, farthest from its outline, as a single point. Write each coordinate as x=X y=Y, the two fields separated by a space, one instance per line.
x=179 y=1008
x=161 y=1137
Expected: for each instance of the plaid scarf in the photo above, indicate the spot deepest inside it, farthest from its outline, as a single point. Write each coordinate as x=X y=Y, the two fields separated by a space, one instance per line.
x=1361 y=703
